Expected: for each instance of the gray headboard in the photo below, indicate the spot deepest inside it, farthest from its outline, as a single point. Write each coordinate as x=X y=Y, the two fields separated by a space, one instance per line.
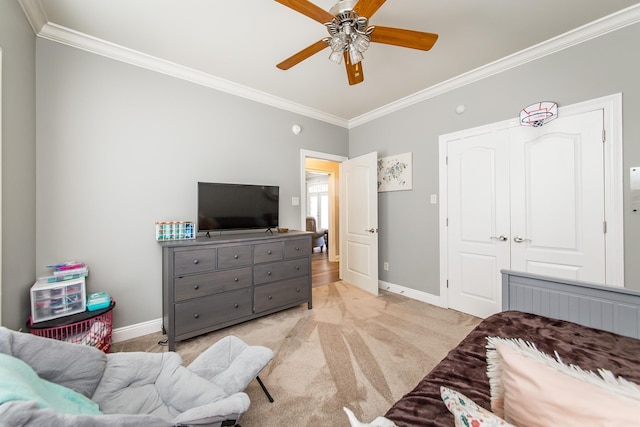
x=602 y=307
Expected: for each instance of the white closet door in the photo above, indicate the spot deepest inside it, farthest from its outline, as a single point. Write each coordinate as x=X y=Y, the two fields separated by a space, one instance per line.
x=527 y=199
x=478 y=221
x=557 y=198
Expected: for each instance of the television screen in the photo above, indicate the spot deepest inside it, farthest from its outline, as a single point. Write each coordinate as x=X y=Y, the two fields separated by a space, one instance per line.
x=237 y=206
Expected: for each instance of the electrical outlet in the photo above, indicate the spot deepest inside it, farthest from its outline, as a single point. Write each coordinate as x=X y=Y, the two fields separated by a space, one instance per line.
x=385 y=266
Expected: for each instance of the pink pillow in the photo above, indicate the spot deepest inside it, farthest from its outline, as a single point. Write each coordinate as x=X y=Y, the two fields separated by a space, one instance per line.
x=536 y=390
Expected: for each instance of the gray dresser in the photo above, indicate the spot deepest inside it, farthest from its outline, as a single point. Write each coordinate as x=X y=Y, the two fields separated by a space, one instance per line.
x=212 y=283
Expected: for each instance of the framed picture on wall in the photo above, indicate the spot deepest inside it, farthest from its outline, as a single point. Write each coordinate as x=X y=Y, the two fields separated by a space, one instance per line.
x=395 y=172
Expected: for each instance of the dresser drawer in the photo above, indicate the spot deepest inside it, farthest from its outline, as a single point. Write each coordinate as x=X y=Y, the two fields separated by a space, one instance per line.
x=297 y=248
x=200 y=285
x=265 y=252
x=268 y=297
x=195 y=261
x=234 y=256
x=209 y=311
x=271 y=272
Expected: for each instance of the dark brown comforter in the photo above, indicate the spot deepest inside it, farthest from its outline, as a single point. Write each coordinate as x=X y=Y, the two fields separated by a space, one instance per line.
x=464 y=368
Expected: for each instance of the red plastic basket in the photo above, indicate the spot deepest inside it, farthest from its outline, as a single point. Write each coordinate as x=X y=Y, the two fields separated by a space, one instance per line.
x=96 y=331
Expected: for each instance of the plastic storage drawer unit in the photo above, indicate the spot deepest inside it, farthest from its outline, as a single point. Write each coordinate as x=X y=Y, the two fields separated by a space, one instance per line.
x=53 y=300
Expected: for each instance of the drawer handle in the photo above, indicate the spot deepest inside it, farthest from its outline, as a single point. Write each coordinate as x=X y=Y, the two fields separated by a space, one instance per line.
x=236 y=257
x=268 y=273
x=196 y=287
x=195 y=316
x=235 y=305
x=297 y=248
x=270 y=297
x=268 y=252
x=297 y=267
x=195 y=261
x=297 y=289
x=235 y=279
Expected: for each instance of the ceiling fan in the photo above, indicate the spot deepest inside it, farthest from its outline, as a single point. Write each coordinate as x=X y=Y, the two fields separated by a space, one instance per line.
x=350 y=34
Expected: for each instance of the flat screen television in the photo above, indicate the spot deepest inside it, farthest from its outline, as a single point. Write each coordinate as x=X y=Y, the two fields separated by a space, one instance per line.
x=224 y=206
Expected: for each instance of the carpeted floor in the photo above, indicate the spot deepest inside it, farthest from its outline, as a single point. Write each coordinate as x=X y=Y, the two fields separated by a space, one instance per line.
x=352 y=349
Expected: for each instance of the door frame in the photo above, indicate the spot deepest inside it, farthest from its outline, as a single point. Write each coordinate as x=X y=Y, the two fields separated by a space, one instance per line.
x=1 y=257
x=613 y=183
x=304 y=154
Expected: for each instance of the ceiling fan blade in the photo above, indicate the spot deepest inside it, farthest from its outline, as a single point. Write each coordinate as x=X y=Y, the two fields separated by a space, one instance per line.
x=405 y=38
x=367 y=8
x=308 y=9
x=354 y=71
x=302 y=55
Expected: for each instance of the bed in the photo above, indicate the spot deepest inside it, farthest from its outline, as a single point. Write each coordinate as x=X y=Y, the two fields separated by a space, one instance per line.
x=588 y=325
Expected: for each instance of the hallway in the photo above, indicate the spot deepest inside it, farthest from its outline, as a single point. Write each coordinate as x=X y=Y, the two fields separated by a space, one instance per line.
x=323 y=271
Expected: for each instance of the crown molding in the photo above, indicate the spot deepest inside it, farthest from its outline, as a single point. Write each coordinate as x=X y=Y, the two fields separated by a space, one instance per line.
x=53 y=32
x=37 y=17
x=600 y=27
x=35 y=14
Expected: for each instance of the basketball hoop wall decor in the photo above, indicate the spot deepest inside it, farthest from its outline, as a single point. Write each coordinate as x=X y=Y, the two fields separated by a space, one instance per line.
x=538 y=114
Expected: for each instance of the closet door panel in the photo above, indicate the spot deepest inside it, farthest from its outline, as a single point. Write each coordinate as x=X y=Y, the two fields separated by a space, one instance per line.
x=478 y=230
x=557 y=198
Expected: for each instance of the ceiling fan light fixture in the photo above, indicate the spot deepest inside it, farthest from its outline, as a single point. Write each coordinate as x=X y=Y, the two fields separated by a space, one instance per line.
x=361 y=42
x=336 y=57
x=355 y=55
x=349 y=33
x=338 y=42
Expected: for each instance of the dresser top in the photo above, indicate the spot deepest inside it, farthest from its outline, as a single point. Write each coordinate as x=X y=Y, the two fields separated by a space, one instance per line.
x=234 y=237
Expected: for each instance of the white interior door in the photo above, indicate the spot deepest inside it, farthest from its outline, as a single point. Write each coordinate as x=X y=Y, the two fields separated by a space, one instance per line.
x=359 y=222
x=478 y=221
x=557 y=198
x=527 y=199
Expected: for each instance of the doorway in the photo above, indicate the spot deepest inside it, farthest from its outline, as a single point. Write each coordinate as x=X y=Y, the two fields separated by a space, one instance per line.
x=320 y=194
x=353 y=222
x=328 y=165
x=319 y=210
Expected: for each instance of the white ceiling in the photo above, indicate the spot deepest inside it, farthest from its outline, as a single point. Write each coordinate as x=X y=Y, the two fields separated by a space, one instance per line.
x=235 y=45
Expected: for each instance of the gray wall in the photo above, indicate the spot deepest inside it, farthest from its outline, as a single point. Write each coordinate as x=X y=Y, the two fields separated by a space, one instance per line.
x=121 y=147
x=409 y=223
x=17 y=42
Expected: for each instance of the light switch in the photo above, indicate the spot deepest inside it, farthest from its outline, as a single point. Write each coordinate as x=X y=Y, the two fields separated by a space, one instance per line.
x=295 y=201
x=434 y=199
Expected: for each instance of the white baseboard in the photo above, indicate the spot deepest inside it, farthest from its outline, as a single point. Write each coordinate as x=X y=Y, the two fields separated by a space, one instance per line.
x=137 y=330
x=412 y=293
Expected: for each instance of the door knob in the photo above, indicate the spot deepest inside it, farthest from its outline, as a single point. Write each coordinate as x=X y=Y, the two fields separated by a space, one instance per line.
x=501 y=237
x=372 y=230
x=519 y=239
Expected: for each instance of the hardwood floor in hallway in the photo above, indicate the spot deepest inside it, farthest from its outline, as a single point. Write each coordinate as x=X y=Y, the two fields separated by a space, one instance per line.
x=323 y=271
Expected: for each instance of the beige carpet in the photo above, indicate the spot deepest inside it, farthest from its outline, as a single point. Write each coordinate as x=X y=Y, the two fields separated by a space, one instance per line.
x=352 y=349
